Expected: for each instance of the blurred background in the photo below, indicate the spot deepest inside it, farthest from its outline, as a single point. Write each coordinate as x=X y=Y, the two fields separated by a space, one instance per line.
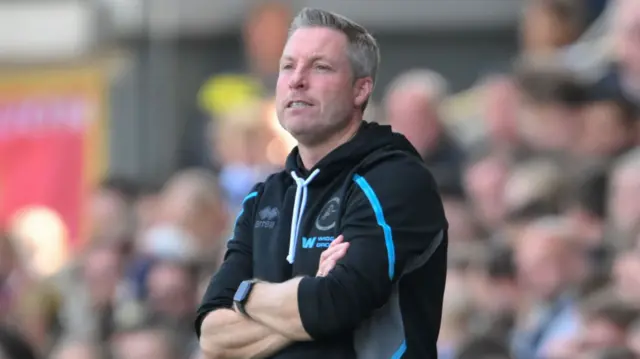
x=131 y=130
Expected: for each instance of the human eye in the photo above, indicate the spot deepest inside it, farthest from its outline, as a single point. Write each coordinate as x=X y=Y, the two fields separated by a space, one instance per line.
x=322 y=67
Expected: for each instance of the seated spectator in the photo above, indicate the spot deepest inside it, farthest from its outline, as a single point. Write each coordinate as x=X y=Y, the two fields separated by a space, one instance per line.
x=552 y=100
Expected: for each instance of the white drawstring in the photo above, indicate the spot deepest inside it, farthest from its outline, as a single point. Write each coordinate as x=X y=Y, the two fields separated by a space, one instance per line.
x=298 y=210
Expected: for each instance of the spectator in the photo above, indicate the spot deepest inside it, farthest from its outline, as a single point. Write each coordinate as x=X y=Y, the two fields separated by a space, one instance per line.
x=191 y=204
x=551 y=24
x=146 y=341
x=484 y=179
x=413 y=106
x=547 y=272
x=609 y=124
x=551 y=103
x=624 y=201
x=172 y=289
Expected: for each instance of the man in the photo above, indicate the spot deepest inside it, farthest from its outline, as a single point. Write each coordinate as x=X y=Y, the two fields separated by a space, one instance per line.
x=549 y=265
x=413 y=106
x=355 y=188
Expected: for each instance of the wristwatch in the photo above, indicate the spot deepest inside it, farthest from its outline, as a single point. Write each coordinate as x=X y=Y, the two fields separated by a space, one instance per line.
x=242 y=295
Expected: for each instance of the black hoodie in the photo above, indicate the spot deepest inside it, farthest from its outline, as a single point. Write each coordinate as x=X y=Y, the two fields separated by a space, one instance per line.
x=384 y=298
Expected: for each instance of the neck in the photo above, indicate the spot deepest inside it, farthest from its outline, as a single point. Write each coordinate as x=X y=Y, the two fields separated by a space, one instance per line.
x=311 y=155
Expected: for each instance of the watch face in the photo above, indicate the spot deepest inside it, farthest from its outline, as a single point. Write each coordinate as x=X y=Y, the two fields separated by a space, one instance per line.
x=242 y=292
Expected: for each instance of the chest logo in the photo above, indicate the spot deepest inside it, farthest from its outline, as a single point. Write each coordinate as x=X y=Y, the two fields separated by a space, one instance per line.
x=316 y=242
x=327 y=218
x=267 y=217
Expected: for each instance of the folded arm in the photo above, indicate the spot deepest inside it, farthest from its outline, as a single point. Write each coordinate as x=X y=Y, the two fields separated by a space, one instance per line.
x=228 y=334
x=224 y=333
x=392 y=227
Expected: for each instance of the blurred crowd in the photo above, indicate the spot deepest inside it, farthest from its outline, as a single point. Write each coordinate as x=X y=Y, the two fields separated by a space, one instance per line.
x=543 y=204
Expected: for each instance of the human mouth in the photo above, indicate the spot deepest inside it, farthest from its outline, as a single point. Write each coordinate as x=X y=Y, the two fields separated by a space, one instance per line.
x=298 y=104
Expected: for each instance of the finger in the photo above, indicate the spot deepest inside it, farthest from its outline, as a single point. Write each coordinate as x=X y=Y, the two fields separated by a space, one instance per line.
x=326 y=268
x=329 y=251
x=338 y=254
x=337 y=241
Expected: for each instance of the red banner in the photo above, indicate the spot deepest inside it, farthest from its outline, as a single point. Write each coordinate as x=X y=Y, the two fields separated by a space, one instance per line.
x=51 y=152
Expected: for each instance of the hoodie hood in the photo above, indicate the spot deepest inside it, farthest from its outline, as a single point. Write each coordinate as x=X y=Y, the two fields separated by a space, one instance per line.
x=370 y=138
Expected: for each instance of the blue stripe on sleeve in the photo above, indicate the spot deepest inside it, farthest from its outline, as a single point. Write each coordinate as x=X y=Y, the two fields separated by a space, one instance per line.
x=403 y=348
x=377 y=209
x=248 y=197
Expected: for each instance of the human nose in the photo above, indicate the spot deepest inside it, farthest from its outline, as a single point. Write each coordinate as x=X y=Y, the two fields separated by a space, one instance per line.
x=298 y=79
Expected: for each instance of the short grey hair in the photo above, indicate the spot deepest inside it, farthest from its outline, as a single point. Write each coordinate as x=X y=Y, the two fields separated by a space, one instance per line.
x=363 y=50
x=431 y=84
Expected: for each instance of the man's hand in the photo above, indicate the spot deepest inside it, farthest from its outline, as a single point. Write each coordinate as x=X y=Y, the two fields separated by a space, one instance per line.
x=337 y=249
x=276 y=305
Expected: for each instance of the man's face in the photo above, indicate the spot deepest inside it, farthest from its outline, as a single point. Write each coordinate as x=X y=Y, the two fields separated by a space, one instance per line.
x=410 y=113
x=171 y=291
x=550 y=126
x=316 y=94
x=542 y=264
x=485 y=182
x=604 y=132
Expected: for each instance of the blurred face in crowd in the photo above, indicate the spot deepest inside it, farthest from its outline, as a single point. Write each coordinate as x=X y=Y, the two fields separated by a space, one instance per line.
x=544 y=263
x=265 y=36
x=410 y=112
x=102 y=268
x=627 y=35
x=461 y=221
x=599 y=333
x=550 y=127
x=317 y=95
x=502 y=294
x=107 y=210
x=624 y=204
x=501 y=109
x=485 y=181
x=605 y=131
x=625 y=273
x=543 y=30
x=171 y=291
x=142 y=345
x=193 y=205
